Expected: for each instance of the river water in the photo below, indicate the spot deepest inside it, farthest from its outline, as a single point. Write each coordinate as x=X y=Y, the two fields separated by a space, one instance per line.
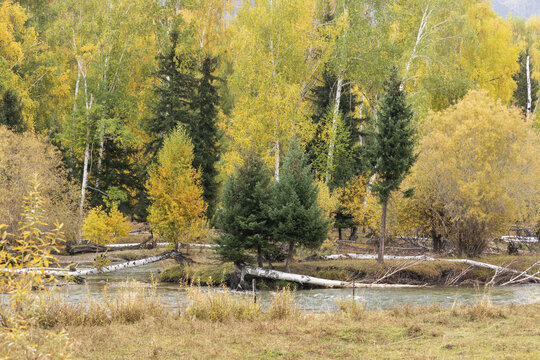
x=317 y=300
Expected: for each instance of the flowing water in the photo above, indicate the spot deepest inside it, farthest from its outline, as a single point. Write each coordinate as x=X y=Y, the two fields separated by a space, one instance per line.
x=317 y=300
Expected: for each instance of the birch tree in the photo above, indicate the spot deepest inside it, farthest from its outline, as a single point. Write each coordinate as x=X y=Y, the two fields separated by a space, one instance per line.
x=272 y=66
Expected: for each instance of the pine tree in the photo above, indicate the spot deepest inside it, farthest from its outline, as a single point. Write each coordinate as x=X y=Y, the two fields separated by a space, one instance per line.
x=296 y=217
x=521 y=94
x=244 y=218
x=175 y=93
x=11 y=112
x=393 y=148
x=205 y=134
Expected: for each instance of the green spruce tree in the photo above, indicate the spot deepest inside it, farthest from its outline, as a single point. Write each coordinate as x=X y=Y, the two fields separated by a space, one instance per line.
x=175 y=93
x=393 y=148
x=205 y=133
x=296 y=217
x=188 y=95
x=11 y=113
x=244 y=218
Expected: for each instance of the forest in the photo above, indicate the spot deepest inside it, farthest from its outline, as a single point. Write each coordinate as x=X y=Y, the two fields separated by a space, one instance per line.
x=267 y=134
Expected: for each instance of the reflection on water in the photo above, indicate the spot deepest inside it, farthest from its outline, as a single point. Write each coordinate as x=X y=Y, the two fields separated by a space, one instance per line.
x=317 y=300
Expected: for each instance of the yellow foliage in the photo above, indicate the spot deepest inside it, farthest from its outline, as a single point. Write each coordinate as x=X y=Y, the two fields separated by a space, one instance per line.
x=31 y=247
x=328 y=201
x=174 y=188
x=103 y=228
x=491 y=58
x=270 y=77
x=478 y=168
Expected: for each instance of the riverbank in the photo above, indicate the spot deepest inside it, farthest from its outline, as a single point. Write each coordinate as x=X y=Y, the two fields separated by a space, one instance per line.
x=208 y=271
x=479 y=331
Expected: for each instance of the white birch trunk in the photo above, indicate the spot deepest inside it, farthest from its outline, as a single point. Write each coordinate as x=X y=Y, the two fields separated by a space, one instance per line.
x=276 y=161
x=335 y=114
x=425 y=258
x=361 y=125
x=421 y=30
x=309 y=280
x=84 y=183
x=529 y=95
x=93 y=271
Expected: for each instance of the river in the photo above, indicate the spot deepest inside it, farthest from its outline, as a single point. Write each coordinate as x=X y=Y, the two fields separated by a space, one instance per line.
x=317 y=300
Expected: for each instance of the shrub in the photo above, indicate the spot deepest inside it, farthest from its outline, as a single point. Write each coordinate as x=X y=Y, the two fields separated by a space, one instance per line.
x=103 y=228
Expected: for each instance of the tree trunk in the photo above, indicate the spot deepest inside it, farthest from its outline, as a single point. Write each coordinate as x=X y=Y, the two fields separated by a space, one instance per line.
x=421 y=30
x=380 y=257
x=309 y=280
x=437 y=241
x=276 y=161
x=289 y=256
x=339 y=233
x=84 y=184
x=529 y=94
x=335 y=114
x=259 y=256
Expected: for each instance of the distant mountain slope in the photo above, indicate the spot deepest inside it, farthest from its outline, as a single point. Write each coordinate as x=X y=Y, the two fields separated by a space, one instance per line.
x=521 y=8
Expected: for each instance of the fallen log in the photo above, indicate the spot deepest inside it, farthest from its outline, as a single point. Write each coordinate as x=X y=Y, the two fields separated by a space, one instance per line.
x=93 y=271
x=310 y=280
x=426 y=258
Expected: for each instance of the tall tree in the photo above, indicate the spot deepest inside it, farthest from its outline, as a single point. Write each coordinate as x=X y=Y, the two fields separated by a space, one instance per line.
x=206 y=134
x=393 y=150
x=177 y=210
x=296 y=217
x=244 y=218
x=274 y=50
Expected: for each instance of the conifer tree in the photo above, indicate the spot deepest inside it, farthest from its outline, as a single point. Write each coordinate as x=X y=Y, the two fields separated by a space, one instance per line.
x=296 y=217
x=175 y=93
x=11 y=113
x=188 y=95
x=205 y=133
x=244 y=218
x=393 y=148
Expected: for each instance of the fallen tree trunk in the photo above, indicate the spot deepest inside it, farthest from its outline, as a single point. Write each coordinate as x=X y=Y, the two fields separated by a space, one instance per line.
x=93 y=271
x=426 y=258
x=309 y=280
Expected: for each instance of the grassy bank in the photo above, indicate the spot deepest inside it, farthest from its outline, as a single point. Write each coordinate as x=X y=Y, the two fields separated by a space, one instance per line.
x=438 y=273
x=219 y=325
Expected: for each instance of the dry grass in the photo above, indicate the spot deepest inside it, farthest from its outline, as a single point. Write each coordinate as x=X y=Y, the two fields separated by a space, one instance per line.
x=220 y=305
x=401 y=333
x=129 y=305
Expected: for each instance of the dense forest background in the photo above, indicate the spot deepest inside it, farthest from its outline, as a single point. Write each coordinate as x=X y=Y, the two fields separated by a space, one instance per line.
x=90 y=90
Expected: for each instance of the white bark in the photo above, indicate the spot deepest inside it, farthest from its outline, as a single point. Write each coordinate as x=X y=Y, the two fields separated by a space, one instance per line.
x=276 y=161
x=93 y=271
x=425 y=258
x=84 y=181
x=529 y=95
x=519 y=239
x=419 y=36
x=309 y=280
x=332 y=140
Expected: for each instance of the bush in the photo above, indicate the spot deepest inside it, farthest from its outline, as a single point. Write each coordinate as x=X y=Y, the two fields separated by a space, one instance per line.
x=478 y=171
x=103 y=228
x=24 y=158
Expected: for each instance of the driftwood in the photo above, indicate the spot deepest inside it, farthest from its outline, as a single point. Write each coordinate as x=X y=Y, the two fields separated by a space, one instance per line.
x=309 y=280
x=427 y=258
